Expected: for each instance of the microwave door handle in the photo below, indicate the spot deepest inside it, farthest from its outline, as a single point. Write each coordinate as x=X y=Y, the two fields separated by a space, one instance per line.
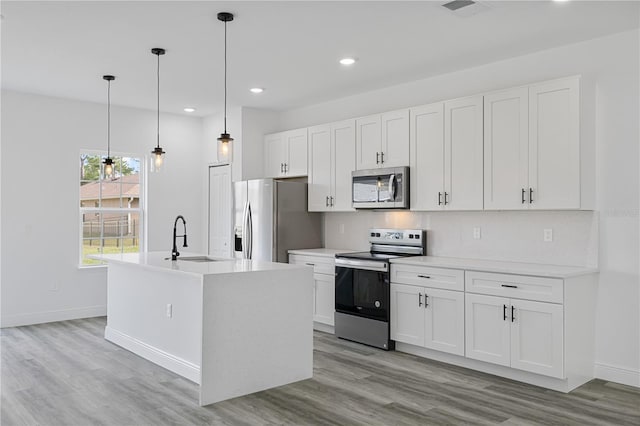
x=392 y=187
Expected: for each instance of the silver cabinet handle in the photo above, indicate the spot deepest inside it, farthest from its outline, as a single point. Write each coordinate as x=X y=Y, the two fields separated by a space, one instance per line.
x=425 y=300
x=424 y=276
x=508 y=286
x=281 y=167
x=377 y=158
x=286 y=168
x=331 y=201
x=382 y=157
x=326 y=201
x=419 y=299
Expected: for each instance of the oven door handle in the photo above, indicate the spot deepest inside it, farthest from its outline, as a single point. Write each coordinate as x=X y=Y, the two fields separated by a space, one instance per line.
x=361 y=264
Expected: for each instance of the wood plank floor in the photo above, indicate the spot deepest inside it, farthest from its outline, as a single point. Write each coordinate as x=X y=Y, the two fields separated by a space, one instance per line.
x=65 y=373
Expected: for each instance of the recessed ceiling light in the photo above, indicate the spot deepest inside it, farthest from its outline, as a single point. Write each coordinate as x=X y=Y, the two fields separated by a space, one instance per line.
x=189 y=109
x=256 y=90
x=347 y=61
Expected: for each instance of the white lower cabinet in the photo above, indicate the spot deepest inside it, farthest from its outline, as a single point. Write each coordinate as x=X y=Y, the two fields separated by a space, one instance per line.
x=324 y=298
x=324 y=287
x=428 y=317
x=523 y=334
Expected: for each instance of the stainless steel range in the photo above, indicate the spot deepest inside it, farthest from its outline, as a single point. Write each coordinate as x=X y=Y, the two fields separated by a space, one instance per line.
x=363 y=289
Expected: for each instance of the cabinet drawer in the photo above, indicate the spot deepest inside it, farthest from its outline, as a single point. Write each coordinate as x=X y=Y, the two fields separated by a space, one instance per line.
x=516 y=286
x=447 y=279
x=321 y=264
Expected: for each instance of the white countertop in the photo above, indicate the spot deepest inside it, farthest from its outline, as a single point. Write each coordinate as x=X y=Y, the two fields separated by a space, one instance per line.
x=162 y=260
x=325 y=252
x=520 y=268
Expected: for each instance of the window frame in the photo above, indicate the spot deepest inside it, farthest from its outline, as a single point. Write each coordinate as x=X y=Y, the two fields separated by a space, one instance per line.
x=140 y=210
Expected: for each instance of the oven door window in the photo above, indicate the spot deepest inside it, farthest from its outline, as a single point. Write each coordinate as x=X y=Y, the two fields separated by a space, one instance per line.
x=362 y=292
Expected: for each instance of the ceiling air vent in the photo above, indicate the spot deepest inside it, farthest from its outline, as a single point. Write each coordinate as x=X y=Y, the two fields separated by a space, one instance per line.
x=458 y=4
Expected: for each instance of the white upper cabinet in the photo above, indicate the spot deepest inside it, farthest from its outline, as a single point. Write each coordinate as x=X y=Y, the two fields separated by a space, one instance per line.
x=506 y=144
x=532 y=147
x=446 y=155
x=382 y=140
x=276 y=153
x=427 y=156
x=463 y=154
x=319 y=168
x=286 y=153
x=554 y=144
x=331 y=161
x=343 y=160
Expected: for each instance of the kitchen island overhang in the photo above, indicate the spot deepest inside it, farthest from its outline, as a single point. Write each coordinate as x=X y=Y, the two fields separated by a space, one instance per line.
x=233 y=326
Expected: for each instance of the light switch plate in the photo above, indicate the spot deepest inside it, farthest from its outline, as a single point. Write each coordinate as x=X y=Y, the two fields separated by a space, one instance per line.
x=548 y=235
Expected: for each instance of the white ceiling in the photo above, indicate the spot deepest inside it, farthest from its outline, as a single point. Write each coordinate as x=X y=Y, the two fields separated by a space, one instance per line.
x=290 y=48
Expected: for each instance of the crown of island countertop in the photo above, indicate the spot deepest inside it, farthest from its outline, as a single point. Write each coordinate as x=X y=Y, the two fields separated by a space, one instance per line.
x=505 y=267
x=162 y=260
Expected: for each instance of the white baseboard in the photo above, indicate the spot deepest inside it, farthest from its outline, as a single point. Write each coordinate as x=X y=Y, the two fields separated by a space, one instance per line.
x=323 y=327
x=164 y=359
x=611 y=373
x=53 y=316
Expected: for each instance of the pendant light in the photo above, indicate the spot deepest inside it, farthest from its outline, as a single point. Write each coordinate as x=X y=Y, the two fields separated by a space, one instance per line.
x=107 y=169
x=225 y=153
x=157 y=160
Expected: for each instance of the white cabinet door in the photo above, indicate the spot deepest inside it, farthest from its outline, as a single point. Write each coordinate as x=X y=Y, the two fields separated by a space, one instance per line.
x=343 y=136
x=276 y=154
x=427 y=156
x=487 y=328
x=407 y=314
x=320 y=177
x=463 y=154
x=395 y=139
x=537 y=337
x=554 y=144
x=324 y=298
x=506 y=140
x=220 y=208
x=444 y=321
x=296 y=163
x=368 y=142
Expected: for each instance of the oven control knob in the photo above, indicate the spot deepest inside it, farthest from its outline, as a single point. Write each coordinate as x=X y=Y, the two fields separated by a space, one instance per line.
x=377 y=303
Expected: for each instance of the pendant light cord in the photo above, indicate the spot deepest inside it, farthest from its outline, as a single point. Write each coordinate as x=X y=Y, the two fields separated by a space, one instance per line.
x=109 y=119
x=225 y=77
x=158 y=113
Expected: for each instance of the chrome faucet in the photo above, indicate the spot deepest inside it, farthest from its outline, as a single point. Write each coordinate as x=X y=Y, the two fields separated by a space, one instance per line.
x=174 y=251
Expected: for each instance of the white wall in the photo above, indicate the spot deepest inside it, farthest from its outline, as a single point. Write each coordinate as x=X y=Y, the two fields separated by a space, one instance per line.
x=609 y=125
x=41 y=141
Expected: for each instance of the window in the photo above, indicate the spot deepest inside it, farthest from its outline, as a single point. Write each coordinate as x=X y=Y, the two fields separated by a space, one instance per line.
x=110 y=209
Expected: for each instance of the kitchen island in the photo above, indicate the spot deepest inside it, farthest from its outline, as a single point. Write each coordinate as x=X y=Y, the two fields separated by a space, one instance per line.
x=233 y=326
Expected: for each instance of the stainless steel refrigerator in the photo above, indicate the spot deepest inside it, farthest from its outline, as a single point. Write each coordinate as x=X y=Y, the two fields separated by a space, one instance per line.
x=271 y=218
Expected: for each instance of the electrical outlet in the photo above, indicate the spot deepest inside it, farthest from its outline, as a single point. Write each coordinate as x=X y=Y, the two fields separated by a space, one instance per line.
x=476 y=233
x=55 y=286
x=169 y=310
x=548 y=235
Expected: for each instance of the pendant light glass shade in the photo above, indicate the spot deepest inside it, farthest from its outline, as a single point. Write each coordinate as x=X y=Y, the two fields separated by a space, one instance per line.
x=225 y=141
x=107 y=164
x=157 y=159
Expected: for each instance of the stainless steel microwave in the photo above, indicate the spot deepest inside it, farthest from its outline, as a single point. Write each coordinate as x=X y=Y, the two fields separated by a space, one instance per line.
x=381 y=188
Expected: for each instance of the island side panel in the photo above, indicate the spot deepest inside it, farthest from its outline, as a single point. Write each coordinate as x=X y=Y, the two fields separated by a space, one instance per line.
x=257 y=332
x=138 y=318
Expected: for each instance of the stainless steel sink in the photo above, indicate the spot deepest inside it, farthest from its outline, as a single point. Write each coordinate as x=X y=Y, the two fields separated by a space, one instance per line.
x=197 y=259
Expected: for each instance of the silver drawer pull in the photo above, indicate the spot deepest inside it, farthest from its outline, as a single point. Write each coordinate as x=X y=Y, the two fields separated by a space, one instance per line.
x=424 y=276
x=310 y=264
x=509 y=286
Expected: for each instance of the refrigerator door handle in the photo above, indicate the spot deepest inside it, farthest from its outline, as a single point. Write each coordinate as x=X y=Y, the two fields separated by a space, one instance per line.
x=244 y=230
x=250 y=232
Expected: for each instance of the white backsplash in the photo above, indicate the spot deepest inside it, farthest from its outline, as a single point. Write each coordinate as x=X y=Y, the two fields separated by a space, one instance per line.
x=510 y=236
